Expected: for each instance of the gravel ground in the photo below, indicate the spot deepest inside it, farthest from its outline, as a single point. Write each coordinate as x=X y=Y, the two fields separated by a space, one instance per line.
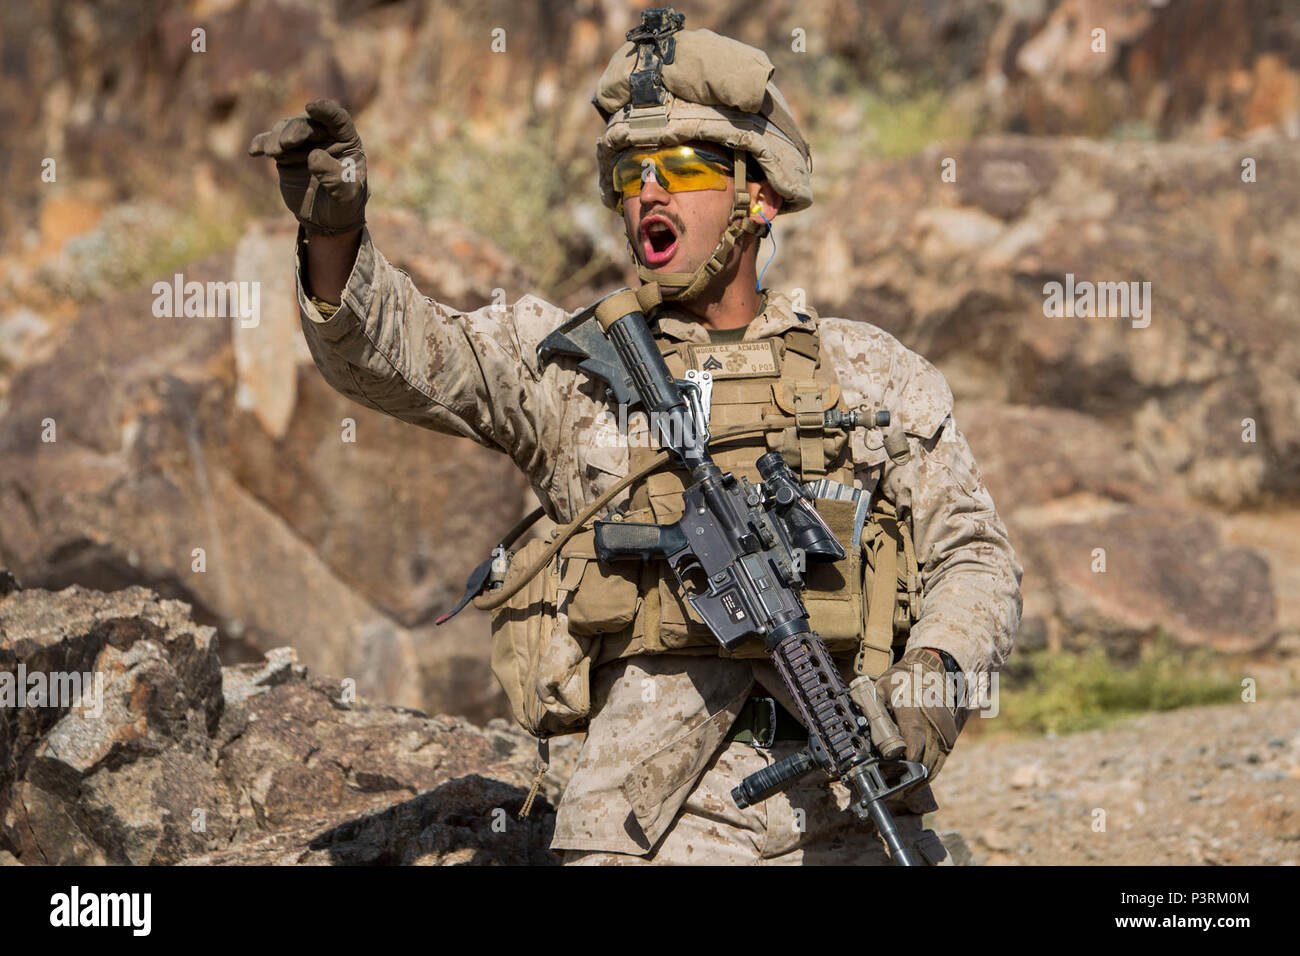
x=1208 y=785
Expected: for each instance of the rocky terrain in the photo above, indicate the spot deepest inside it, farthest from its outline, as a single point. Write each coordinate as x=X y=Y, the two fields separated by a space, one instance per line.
x=205 y=435
x=183 y=762
x=186 y=762
x=117 y=88
x=1197 y=786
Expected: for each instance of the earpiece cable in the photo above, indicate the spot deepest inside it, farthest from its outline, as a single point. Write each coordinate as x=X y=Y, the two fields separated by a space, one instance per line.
x=756 y=209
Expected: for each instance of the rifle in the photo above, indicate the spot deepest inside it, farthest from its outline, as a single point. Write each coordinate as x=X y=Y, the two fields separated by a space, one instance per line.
x=739 y=552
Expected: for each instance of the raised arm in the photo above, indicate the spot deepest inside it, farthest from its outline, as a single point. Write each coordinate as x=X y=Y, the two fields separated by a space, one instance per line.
x=371 y=332
x=329 y=263
x=473 y=374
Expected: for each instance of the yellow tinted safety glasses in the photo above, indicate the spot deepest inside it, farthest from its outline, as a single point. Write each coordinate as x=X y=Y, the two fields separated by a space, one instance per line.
x=677 y=168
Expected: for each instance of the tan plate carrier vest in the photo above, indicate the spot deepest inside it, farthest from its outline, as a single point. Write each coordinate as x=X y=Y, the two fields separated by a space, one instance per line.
x=579 y=614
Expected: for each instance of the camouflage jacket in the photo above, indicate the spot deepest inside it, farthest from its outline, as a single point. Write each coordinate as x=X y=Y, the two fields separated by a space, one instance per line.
x=477 y=374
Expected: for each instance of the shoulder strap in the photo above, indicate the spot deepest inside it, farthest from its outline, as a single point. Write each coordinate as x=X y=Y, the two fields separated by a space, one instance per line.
x=874 y=652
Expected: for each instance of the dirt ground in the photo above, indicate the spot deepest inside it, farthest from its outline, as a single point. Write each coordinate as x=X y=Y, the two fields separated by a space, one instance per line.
x=1208 y=786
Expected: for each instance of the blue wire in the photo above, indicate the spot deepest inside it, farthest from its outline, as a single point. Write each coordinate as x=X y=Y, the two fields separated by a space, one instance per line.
x=758 y=283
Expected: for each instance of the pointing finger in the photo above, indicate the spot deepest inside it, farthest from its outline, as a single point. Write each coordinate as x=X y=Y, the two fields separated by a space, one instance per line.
x=331 y=114
x=285 y=140
x=258 y=146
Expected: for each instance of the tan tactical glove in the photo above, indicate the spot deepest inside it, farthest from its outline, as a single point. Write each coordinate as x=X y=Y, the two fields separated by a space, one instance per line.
x=921 y=698
x=321 y=165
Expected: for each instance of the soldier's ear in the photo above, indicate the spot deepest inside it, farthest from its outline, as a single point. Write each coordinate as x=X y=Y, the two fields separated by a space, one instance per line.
x=766 y=197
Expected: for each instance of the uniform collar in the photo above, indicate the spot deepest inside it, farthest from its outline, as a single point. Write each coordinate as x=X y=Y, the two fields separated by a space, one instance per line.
x=777 y=316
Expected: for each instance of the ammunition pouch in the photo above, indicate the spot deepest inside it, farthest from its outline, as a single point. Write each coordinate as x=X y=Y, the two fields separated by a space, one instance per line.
x=542 y=665
x=606 y=598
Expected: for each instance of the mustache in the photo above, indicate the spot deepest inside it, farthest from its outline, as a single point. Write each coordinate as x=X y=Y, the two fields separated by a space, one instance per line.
x=677 y=223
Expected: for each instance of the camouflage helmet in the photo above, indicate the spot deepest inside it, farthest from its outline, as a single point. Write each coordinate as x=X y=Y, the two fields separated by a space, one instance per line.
x=668 y=86
x=703 y=86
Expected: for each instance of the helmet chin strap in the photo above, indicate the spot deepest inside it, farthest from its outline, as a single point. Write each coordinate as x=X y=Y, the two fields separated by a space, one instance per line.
x=683 y=286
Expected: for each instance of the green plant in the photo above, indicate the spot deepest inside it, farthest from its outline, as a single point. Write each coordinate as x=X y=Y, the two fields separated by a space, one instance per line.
x=1062 y=692
x=133 y=244
x=882 y=112
x=904 y=125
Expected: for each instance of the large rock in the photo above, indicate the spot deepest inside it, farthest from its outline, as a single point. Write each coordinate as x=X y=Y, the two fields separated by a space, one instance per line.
x=1125 y=574
x=1109 y=552
x=114 y=780
x=259 y=763
x=958 y=270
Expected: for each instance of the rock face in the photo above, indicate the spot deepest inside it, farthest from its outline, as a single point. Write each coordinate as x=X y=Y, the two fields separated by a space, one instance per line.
x=244 y=485
x=1207 y=68
x=1202 y=67
x=113 y=780
x=173 y=760
x=958 y=270
x=1122 y=451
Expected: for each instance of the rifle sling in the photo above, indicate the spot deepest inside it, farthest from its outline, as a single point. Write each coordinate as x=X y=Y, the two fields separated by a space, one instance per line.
x=494 y=599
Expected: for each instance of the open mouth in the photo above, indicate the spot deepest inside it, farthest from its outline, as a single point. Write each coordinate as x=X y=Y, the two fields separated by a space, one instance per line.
x=658 y=240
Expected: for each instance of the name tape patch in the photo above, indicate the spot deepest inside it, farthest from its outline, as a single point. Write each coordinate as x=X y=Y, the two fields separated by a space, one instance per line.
x=737 y=359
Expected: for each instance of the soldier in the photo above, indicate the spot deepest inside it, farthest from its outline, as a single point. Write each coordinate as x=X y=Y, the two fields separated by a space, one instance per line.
x=699 y=154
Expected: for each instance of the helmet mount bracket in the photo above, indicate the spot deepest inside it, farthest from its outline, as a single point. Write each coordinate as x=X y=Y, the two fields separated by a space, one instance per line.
x=655 y=47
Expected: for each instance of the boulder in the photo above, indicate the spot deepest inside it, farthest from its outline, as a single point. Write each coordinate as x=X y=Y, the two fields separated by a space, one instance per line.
x=1110 y=553
x=173 y=759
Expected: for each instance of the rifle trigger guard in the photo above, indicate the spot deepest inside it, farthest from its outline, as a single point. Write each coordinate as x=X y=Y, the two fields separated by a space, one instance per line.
x=914 y=773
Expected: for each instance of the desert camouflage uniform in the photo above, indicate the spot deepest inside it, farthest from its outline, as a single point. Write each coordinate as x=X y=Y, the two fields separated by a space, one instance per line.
x=654 y=751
